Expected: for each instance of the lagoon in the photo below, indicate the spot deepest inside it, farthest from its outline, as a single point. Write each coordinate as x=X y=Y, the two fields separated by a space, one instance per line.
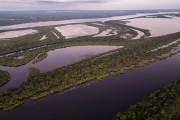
x=55 y=59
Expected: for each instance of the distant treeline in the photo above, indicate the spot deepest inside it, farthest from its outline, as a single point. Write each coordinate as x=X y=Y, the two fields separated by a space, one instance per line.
x=4 y=77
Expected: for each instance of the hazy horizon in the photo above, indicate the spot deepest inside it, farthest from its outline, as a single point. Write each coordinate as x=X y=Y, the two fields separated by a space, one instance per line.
x=29 y=5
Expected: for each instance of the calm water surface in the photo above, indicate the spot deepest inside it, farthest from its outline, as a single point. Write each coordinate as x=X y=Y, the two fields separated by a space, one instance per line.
x=49 y=23
x=102 y=100
x=140 y=34
x=57 y=58
x=77 y=30
x=17 y=33
x=157 y=26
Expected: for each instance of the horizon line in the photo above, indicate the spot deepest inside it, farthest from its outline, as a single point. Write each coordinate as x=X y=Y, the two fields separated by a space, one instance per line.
x=84 y=10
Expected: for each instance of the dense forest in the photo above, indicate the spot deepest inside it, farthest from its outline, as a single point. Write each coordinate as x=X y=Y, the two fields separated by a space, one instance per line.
x=4 y=77
x=163 y=104
x=94 y=68
x=31 y=47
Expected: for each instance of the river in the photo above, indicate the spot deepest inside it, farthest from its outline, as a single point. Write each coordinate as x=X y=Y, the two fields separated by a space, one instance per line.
x=55 y=59
x=100 y=101
x=62 y=22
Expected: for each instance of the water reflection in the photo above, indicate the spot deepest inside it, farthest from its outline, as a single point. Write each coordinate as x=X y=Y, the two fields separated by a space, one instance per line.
x=72 y=31
x=17 y=33
x=55 y=59
x=140 y=34
x=157 y=26
x=106 y=33
x=101 y=101
x=49 y=23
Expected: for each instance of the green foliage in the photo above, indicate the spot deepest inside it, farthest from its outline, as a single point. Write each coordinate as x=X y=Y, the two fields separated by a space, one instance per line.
x=117 y=24
x=4 y=77
x=39 y=53
x=36 y=50
x=163 y=104
x=42 y=84
x=33 y=71
x=40 y=57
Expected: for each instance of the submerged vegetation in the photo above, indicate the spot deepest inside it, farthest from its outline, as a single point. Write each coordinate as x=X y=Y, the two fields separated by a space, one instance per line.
x=4 y=77
x=163 y=104
x=117 y=23
x=43 y=84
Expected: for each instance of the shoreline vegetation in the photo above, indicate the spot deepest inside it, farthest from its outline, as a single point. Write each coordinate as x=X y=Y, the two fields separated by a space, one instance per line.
x=42 y=84
x=37 y=55
x=40 y=57
x=163 y=104
x=31 y=47
x=30 y=41
x=4 y=77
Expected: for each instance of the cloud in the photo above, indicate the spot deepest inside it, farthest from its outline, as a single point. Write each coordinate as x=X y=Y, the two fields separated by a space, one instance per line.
x=87 y=4
x=56 y=1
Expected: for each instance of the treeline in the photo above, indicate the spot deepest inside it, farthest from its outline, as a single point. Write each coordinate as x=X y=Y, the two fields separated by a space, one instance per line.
x=4 y=77
x=33 y=40
x=29 y=41
x=24 y=45
x=163 y=104
x=117 y=23
x=39 y=53
x=43 y=84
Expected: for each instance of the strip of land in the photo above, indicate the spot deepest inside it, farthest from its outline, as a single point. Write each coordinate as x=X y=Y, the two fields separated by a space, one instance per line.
x=4 y=77
x=163 y=104
x=94 y=68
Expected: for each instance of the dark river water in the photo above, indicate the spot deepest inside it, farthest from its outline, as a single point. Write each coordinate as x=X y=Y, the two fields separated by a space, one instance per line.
x=55 y=59
x=100 y=101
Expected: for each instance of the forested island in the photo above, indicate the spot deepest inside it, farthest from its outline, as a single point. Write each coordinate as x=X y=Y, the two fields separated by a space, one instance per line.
x=130 y=54
x=163 y=104
x=4 y=77
x=43 y=84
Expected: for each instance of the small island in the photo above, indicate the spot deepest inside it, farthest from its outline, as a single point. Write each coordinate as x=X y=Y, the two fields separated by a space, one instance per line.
x=4 y=77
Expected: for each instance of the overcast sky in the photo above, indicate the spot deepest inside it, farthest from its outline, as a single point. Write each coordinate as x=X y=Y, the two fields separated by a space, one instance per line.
x=87 y=4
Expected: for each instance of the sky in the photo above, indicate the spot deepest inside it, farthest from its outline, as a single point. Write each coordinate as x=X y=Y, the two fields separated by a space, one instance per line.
x=10 y=5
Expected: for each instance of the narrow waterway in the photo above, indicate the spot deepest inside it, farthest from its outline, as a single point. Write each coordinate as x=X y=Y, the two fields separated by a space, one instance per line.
x=100 y=101
x=55 y=59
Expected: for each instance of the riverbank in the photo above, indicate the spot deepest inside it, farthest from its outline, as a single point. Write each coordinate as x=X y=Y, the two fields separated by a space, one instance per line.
x=163 y=104
x=114 y=94
x=4 y=77
x=56 y=80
